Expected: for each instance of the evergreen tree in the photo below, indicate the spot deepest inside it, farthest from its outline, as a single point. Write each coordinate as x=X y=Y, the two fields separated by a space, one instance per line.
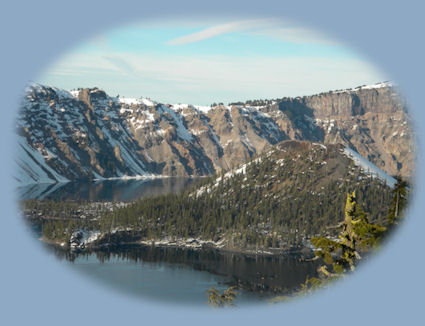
x=357 y=234
x=399 y=201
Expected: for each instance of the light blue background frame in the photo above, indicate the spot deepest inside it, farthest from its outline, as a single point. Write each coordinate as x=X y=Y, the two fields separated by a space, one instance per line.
x=35 y=289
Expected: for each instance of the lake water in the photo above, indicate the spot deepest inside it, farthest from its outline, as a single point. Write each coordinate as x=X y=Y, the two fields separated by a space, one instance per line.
x=183 y=276
x=172 y=275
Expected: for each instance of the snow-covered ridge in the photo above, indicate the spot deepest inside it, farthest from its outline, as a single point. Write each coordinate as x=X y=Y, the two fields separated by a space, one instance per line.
x=33 y=86
x=46 y=109
x=136 y=101
x=378 y=85
x=373 y=86
x=38 y=88
x=200 y=108
x=87 y=133
x=368 y=167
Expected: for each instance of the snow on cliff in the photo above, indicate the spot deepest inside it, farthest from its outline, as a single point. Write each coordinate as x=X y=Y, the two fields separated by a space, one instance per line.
x=32 y=167
x=369 y=167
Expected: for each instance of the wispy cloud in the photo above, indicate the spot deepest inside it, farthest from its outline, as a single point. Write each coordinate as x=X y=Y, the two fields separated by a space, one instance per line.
x=203 y=80
x=284 y=31
x=221 y=29
x=122 y=65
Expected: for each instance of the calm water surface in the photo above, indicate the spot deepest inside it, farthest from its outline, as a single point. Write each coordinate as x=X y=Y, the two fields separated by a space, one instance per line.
x=183 y=276
x=173 y=275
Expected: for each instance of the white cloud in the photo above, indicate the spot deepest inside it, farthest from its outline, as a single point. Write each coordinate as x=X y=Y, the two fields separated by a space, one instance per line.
x=210 y=32
x=285 y=31
x=123 y=65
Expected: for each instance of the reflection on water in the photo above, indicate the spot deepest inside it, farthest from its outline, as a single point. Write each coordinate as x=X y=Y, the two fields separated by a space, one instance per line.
x=107 y=190
x=181 y=275
x=173 y=275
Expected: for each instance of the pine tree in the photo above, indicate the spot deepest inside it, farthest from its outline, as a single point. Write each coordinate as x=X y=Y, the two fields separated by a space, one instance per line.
x=357 y=234
x=399 y=202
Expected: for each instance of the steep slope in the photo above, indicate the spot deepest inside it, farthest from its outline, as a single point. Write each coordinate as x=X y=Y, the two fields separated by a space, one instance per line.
x=86 y=134
x=293 y=191
x=32 y=167
x=372 y=120
x=78 y=137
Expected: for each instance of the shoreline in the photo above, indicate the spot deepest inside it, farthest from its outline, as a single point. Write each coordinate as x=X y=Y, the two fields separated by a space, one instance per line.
x=304 y=252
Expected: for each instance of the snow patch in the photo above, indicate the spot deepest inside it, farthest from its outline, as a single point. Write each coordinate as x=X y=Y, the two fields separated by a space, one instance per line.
x=136 y=101
x=32 y=166
x=369 y=167
x=321 y=145
x=374 y=86
x=203 y=108
x=182 y=132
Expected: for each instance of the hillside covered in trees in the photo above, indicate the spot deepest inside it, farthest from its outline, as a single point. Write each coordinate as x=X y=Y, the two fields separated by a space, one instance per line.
x=276 y=201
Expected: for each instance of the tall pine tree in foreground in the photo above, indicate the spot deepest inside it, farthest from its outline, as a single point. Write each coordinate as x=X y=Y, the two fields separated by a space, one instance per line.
x=357 y=236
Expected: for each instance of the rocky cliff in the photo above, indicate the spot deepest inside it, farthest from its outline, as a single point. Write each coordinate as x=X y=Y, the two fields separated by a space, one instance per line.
x=85 y=134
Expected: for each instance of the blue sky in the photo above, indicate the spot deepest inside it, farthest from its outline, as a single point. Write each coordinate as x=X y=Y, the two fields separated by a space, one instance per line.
x=211 y=61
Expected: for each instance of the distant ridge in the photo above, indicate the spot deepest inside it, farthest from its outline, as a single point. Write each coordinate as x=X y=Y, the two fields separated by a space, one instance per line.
x=87 y=134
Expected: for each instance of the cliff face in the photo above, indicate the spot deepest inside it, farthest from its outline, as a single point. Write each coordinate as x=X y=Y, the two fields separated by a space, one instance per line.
x=355 y=102
x=371 y=120
x=88 y=134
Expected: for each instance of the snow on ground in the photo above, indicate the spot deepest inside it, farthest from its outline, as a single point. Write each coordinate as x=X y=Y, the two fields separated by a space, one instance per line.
x=374 y=86
x=32 y=167
x=134 y=165
x=148 y=102
x=217 y=141
x=241 y=169
x=180 y=106
x=81 y=238
x=141 y=100
x=369 y=167
x=62 y=93
x=134 y=177
x=187 y=243
x=74 y=93
x=182 y=131
x=91 y=236
x=203 y=108
x=378 y=85
x=129 y=100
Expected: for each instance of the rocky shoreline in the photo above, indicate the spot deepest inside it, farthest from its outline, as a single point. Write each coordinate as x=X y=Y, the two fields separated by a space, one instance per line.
x=99 y=243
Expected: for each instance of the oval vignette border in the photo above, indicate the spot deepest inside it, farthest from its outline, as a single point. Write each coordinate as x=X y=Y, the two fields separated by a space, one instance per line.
x=44 y=288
